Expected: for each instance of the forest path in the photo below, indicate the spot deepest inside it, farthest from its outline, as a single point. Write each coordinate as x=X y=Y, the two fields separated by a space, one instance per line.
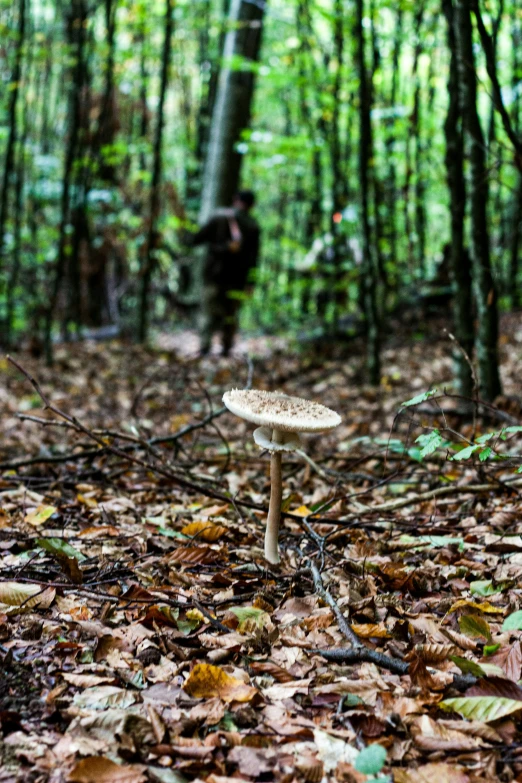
x=186 y=343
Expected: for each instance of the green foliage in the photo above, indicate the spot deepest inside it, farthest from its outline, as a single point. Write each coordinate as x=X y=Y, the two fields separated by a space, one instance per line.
x=513 y=622
x=371 y=760
x=482 y=708
x=485 y=446
x=430 y=442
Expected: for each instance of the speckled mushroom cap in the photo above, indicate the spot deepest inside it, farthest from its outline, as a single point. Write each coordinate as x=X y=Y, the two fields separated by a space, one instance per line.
x=280 y=412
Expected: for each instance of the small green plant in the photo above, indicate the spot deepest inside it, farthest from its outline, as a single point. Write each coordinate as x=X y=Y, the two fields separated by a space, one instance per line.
x=486 y=446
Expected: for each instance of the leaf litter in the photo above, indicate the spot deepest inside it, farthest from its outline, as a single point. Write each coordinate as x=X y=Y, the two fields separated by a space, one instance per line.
x=144 y=638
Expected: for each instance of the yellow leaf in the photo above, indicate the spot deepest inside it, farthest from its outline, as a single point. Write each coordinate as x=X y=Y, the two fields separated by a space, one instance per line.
x=484 y=607
x=371 y=630
x=206 y=681
x=89 y=502
x=204 y=531
x=40 y=515
x=195 y=614
x=302 y=511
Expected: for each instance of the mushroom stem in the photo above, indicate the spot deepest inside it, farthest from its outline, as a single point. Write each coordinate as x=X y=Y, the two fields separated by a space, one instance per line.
x=274 y=509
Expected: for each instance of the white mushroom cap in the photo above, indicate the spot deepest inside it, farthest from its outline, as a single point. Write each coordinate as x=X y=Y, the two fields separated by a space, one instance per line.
x=280 y=412
x=289 y=442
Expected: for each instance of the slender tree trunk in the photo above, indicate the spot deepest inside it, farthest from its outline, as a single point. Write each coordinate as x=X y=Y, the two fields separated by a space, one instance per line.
x=232 y=107
x=413 y=133
x=314 y=222
x=154 y=208
x=391 y=192
x=369 y=276
x=144 y=83
x=376 y=182
x=483 y=283
x=14 y=272
x=515 y=224
x=514 y=245
x=337 y=187
x=108 y=121
x=13 y=131
x=76 y=34
x=459 y=257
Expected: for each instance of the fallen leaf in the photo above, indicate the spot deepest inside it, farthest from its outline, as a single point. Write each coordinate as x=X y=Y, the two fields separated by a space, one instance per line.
x=432 y=773
x=99 y=769
x=206 y=681
x=204 y=531
x=481 y=708
x=39 y=515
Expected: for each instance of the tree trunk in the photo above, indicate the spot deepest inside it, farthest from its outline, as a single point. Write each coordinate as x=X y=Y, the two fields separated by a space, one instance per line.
x=231 y=112
x=460 y=262
x=76 y=35
x=483 y=284
x=13 y=131
x=391 y=192
x=151 y=243
x=368 y=271
x=314 y=222
x=14 y=272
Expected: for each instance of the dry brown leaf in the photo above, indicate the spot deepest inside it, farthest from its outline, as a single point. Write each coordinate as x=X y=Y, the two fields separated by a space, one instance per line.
x=510 y=661
x=193 y=555
x=99 y=769
x=431 y=735
x=432 y=773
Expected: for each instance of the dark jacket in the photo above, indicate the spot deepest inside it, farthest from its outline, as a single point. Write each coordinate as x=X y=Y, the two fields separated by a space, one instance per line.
x=228 y=270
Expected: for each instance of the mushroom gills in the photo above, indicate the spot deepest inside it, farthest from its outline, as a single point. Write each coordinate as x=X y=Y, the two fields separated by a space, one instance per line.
x=277 y=440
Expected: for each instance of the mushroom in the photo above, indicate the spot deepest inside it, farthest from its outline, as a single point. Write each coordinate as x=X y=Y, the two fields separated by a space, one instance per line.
x=281 y=419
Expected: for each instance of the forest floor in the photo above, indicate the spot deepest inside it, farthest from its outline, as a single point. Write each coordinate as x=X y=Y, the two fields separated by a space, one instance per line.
x=144 y=638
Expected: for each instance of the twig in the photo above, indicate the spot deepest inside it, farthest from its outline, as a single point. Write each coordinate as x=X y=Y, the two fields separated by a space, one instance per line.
x=323 y=593
x=208 y=616
x=358 y=652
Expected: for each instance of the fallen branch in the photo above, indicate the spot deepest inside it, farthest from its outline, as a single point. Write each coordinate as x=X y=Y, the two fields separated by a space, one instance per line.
x=358 y=652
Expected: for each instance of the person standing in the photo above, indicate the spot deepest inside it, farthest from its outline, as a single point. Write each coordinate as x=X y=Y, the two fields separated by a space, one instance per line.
x=232 y=237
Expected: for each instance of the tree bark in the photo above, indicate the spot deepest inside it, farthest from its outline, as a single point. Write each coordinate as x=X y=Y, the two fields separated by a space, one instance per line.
x=232 y=108
x=460 y=261
x=368 y=272
x=76 y=34
x=13 y=130
x=485 y=293
x=154 y=207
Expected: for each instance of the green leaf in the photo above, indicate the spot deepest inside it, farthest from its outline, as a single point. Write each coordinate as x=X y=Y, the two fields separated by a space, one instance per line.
x=513 y=622
x=419 y=398
x=491 y=649
x=484 y=588
x=60 y=548
x=249 y=617
x=485 y=454
x=474 y=626
x=430 y=442
x=481 y=708
x=187 y=626
x=467 y=667
x=466 y=452
x=371 y=760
